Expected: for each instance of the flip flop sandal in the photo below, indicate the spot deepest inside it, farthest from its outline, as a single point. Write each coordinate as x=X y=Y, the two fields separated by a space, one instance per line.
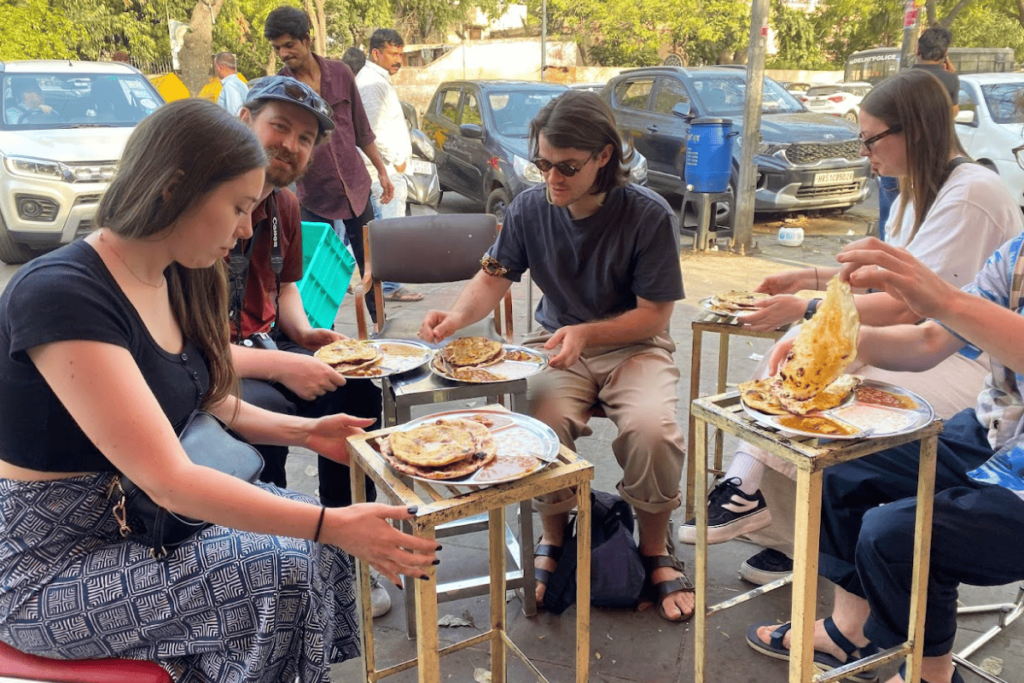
x=957 y=678
x=657 y=592
x=823 y=661
x=403 y=294
x=543 y=575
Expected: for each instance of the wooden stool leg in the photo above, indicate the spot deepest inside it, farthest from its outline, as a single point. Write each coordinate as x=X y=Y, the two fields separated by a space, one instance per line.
x=691 y=460
x=496 y=543
x=358 y=481
x=526 y=558
x=805 y=575
x=723 y=374
x=700 y=440
x=583 y=583
x=922 y=555
x=426 y=621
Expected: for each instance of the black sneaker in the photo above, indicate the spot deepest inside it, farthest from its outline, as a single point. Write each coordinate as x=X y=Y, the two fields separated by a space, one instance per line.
x=731 y=513
x=765 y=567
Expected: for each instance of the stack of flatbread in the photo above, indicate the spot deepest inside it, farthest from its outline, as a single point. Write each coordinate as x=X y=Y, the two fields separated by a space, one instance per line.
x=735 y=302
x=464 y=358
x=448 y=448
x=349 y=356
x=811 y=379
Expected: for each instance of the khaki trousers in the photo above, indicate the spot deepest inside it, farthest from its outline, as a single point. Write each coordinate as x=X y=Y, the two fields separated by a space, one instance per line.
x=636 y=387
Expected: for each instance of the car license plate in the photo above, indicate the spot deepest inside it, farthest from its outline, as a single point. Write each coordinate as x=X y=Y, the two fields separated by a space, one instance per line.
x=834 y=178
x=419 y=167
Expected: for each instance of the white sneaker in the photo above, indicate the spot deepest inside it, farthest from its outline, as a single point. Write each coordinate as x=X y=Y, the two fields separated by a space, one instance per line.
x=379 y=598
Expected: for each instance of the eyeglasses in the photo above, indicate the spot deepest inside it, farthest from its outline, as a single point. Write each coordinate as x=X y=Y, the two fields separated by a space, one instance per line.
x=1018 y=154
x=275 y=86
x=564 y=167
x=898 y=128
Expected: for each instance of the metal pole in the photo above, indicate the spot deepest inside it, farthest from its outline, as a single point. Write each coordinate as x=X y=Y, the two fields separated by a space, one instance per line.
x=911 y=29
x=743 y=211
x=543 y=38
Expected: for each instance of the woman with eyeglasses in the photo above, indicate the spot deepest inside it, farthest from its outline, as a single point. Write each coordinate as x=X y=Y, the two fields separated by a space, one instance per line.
x=951 y=216
x=107 y=347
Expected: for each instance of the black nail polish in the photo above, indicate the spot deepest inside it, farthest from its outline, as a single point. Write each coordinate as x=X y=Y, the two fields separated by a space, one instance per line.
x=436 y=562
x=399 y=586
x=412 y=509
x=424 y=578
x=439 y=547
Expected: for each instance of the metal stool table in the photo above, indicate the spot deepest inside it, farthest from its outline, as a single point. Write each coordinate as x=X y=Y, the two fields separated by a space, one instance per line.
x=439 y=504
x=423 y=387
x=726 y=327
x=725 y=413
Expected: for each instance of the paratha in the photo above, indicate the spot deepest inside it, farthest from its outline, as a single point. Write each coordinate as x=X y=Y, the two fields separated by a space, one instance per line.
x=347 y=352
x=833 y=395
x=520 y=356
x=491 y=420
x=359 y=368
x=471 y=351
x=759 y=394
x=475 y=375
x=433 y=445
x=734 y=301
x=825 y=346
x=457 y=470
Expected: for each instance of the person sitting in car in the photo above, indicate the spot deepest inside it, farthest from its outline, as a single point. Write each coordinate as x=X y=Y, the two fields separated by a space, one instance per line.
x=28 y=101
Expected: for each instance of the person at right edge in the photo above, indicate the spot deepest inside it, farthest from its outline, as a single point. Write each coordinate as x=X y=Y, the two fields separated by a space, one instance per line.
x=933 y=57
x=605 y=253
x=336 y=185
x=951 y=215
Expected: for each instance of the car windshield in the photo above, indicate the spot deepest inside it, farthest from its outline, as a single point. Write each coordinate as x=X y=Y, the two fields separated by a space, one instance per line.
x=514 y=110
x=723 y=96
x=46 y=101
x=820 y=90
x=1005 y=101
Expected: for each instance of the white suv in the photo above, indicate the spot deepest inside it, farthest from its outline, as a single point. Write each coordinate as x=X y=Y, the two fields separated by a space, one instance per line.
x=991 y=124
x=63 y=126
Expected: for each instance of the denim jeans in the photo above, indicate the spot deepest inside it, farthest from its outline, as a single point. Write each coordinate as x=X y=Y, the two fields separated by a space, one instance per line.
x=393 y=209
x=888 y=191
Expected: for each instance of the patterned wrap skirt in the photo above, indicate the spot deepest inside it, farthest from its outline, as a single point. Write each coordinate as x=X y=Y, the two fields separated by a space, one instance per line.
x=225 y=607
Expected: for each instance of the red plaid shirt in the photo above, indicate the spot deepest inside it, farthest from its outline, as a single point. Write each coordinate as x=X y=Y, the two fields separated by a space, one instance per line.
x=336 y=184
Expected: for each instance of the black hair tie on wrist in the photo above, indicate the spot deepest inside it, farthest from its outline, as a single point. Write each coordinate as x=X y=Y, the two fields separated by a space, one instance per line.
x=319 y=524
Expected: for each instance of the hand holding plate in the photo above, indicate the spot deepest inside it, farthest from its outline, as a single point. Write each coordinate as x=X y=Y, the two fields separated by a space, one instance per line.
x=778 y=354
x=773 y=313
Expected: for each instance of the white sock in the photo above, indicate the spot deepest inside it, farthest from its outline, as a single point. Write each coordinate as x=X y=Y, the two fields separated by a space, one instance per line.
x=748 y=469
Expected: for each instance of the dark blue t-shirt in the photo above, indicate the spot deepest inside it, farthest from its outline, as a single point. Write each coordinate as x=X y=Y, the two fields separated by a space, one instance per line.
x=66 y=295
x=596 y=267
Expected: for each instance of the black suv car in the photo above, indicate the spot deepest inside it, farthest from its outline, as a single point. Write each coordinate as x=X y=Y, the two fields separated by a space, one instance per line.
x=480 y=130
x=805 y=160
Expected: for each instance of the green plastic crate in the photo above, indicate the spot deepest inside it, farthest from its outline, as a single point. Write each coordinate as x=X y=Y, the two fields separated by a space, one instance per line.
x=327 y=270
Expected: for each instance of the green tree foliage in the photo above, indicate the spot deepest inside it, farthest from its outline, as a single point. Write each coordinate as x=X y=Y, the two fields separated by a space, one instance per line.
x=32 y=29
x=796 y=38
x=630 y=32
x=980 y=25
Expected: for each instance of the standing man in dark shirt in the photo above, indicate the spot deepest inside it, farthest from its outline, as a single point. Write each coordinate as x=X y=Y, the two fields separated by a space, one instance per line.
x=933 y=57
x=606 y=255
x=336 y=185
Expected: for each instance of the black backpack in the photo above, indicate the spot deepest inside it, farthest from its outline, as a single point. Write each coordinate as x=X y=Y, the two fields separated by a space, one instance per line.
x=616 y=571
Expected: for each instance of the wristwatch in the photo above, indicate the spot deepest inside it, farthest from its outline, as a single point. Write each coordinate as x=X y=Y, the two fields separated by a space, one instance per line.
x=812 y=308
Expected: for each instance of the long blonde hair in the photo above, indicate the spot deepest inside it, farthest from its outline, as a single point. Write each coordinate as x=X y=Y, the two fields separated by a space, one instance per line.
x=195 y=146
x=919 y=102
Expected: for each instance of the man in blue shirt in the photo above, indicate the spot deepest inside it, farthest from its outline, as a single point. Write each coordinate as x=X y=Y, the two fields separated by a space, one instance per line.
x=233 y=90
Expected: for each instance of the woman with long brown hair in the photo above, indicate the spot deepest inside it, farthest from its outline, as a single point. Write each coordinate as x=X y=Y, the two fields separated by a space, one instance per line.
x=107 y=347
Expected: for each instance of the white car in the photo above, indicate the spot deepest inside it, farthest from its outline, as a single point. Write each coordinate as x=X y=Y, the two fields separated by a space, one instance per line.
x=990 y=124
x=63 y=125
x=838 y=99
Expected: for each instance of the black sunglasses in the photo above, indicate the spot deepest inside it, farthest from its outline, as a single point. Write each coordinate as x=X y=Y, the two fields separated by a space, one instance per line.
x=564 y=167
x=898 y=128
x=300 y=92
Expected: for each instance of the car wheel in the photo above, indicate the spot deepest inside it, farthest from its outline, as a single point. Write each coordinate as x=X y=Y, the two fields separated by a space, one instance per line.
x=11 y=252
x=851 y=116
x=497 y=202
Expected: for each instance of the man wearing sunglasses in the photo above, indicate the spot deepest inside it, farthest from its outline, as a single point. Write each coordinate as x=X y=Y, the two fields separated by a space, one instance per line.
x=336 y=185
x=605 y=253
x=274 y=342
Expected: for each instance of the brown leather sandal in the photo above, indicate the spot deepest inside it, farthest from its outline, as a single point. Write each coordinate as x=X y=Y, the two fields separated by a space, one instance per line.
x=543 y=575
x=657 y=592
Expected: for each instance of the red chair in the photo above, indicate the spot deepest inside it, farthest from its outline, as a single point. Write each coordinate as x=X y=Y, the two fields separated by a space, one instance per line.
x=20 y=666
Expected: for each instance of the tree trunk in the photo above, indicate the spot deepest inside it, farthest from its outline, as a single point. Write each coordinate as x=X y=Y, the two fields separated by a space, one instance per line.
x=196 y=54
x=272 y=64
x=319 y=21
x=947 y=20
x=930 y=13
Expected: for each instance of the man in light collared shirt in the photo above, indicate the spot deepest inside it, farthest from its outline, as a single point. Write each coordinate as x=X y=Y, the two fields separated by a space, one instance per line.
x=384 y=110
x=233 y=90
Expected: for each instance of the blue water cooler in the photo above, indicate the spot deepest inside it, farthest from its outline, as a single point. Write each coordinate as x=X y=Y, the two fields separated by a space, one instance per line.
x=707 y=169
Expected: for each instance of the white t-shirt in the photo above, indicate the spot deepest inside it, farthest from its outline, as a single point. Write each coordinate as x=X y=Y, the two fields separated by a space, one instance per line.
x=972 y=216
x=387 y=120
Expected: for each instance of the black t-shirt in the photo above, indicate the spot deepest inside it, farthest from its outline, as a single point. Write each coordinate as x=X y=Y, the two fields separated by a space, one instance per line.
x=596 y=267
x=951 y=81
x=65 y=295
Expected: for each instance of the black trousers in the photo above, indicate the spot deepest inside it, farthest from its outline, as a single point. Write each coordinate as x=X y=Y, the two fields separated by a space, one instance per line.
x=867 y=533
x=354 y=230
x=357 y=397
